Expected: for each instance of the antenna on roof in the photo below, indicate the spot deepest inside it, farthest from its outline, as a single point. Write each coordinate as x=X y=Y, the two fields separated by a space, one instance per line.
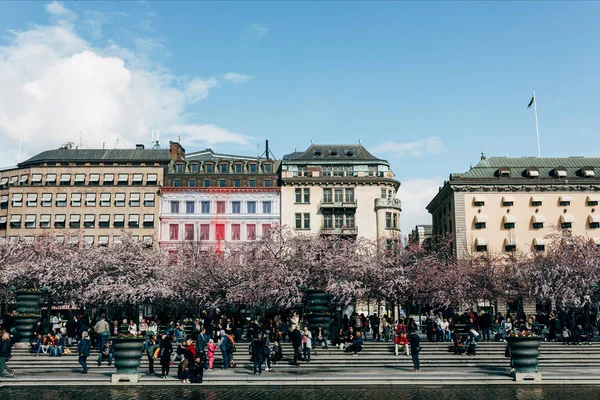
x=268 y=153
x=80 y=139
x=359 y=142
x=311 y=141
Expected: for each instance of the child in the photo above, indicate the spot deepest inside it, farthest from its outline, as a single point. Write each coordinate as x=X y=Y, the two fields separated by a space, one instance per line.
x=211 y=348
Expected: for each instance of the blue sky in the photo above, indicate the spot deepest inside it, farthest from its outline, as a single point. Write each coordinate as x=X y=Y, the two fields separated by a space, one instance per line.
x=426 y=85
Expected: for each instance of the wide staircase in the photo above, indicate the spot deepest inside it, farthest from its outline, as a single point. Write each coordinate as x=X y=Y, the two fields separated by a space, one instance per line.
x=375 y=364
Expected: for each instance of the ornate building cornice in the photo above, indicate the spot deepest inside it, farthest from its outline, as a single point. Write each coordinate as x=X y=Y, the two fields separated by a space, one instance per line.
x=526 y=188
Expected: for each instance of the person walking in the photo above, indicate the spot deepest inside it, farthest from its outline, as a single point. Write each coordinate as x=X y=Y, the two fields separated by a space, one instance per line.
x=5 y=351
x=415 y=348
x=211 y=347
x=151 y=347
x=166 y=349
x=223 y=346
x=102 y=330
x=83 y=349
x=257 y=349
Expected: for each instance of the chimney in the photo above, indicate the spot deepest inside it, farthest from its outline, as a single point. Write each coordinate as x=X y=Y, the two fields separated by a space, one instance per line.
x=482 y=155
x=177 y=152
x=139 y=146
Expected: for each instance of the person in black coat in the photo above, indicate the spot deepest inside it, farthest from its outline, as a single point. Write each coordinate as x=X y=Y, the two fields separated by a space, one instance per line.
x=5 y=354
x=166 y=349
x=257 y=348
x=415 y=348
x=201 y=341
x=296 y=339
x=276 y=353
x=72 y=329
x=83 y=349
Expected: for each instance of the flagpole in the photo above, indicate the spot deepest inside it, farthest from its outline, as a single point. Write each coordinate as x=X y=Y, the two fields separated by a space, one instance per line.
x=537 y=132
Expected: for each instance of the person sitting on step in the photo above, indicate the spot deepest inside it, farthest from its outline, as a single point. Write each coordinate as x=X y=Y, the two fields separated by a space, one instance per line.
x=357 y=345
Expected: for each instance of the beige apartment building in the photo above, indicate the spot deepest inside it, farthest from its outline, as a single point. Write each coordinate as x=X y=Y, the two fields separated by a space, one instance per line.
x=507 y=204
x=98 y=193
x=339 y=190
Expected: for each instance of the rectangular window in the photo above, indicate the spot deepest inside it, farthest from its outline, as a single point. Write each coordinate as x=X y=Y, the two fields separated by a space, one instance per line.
x=36 y=179
x=137 y=179
x=90 y=199
x=152 y=179
x=191 y=183
x=388 y=220
x=194 y=168
x=479 y=225
x=220 y=231
x=538 y=225
x=592 y=203
x=89 y=221
x=209 y=168
x=204 y=231
x=268 y=168
x=109 y=179
x=394 y=220
x=349 y=195
x=190 y=207
x=481 y=248
x=539 y=247
x=536 y=203
x=383 y=193
x=120 y=200
x=15 y=221
x=75 y=220
x=327 y=221
x=189 y=231
x=251 y=207
x=235 y=231
x=566 y=225
x=510 y=247
x=267 y=183
x=509 y=225
x=174 y=207
x=224 y=168
x=479 y=203
x=306 y=221
x=59 y=221
x=338 y=220
x=222 y=183
x=266 y=229
x=75 y=199
x=94 y=180
x=205 y=207
x=173 y=231
x=350 y=221
x=298 y=220
x=507 y=204
x=238 y=168
x=236 y=183
x=51 y=179
x=179 y=168
x=104 y=221
x=220 y=207
x=30 y=221
x=119 y=220
x=307 y=195
x=236 y=207
x=564 y=203
x=252 y=182
x=148 y=220
x=327 y=196
x=79 y=179
x=148 y=199
x=207 y=183
x=123 y=179
x=61 y=200
x=104 y=199
x=252 y=168
x=177 y=182
x=338 y=195
x=298 y=193
x=251 y=230
x=31 y=199
x=266 y=207
x=17 y=199
x=594 y=225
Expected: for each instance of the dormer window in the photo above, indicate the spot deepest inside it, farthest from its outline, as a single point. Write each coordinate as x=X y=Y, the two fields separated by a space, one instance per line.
x=333 y=153
x=532 y=172
x=223 y=168
x=503 y=172
x=208 y=168
x=587 y=172
x=179 y=168
x=350 y=153
x=559 y=172
x=318 y=153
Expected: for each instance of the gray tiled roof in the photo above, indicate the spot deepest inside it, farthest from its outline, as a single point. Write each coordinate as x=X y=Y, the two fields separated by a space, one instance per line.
x=359 y=153
x=487 y=168
x=99 y=155
x=210 y=155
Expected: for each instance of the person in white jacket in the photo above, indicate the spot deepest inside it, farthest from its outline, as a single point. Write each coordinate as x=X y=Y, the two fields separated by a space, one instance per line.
x=306 y=343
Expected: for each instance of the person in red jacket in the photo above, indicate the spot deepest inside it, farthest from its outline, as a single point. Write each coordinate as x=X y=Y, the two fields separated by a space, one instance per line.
x=401 y=343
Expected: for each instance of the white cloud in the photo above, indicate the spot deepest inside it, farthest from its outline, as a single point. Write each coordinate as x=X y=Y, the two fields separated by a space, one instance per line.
x=56 y=86
x=415 y=194
x=234 y=77
x=58 y=10
x=259 y=30
x=430 y=145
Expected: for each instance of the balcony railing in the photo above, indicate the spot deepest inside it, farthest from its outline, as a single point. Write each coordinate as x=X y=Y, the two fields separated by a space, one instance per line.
x=344 y=230
x=388 y=203
x=338 y=204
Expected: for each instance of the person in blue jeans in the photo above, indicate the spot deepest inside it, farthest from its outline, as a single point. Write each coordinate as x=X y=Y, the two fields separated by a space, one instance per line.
x=83 y=349
x=223 y=347
x=415 y=348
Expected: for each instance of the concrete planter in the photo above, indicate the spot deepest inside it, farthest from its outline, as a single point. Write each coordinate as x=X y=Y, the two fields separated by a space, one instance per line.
x=128 y=355
x=24 y=326
x=28 y=302
x=317 y=304
x=524 y=352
